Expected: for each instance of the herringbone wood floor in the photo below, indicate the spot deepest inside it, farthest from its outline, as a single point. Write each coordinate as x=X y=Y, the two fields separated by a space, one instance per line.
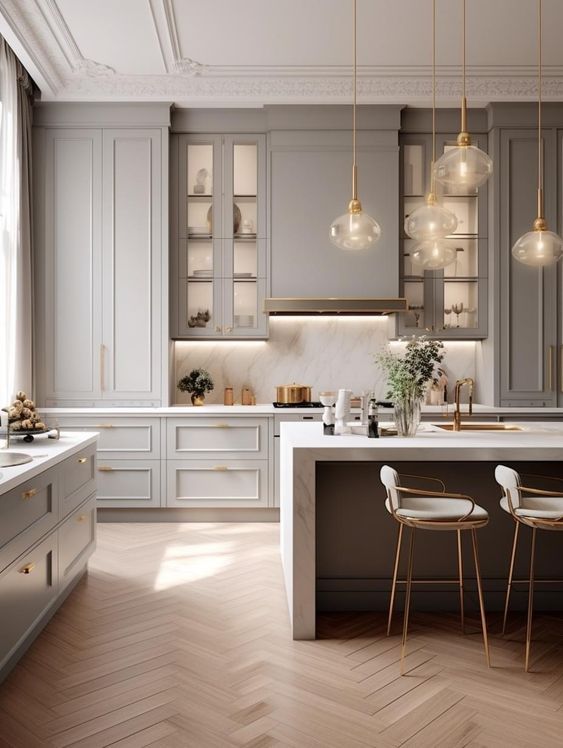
x=179 y=636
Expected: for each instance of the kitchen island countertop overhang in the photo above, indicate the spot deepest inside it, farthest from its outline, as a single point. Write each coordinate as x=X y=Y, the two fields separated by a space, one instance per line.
x=303 y=446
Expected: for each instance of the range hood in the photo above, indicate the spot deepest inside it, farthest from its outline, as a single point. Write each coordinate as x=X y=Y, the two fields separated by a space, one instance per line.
x=333 y=305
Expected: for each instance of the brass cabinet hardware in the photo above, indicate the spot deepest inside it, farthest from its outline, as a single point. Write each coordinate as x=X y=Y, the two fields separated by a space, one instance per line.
x=28 y=568
x=105 y=468
x=29 y=494
x=220 y=468
x=103 y=426
x=549 y=366
x=222 y=425
x=82 y=517
x=82 y=460
x=102 y=367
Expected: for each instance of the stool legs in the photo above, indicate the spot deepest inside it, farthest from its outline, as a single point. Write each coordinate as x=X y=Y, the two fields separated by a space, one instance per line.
x=460 y=564
x=510 y=574
x=395 y=572
x=480 y=591
x=530 y=600
x=407 y=601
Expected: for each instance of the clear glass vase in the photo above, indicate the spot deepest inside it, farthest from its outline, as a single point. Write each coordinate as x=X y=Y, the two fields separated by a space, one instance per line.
x=407 y=415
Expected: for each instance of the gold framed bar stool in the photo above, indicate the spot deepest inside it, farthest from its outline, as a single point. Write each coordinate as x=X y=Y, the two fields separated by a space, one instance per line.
x=537 y=508
x=420 y=509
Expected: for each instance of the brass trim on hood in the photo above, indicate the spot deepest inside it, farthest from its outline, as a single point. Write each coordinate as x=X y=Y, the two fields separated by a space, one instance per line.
x=333 y=305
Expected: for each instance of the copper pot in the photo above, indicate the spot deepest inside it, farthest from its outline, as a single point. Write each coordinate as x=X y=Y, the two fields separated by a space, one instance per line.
x=293 y=393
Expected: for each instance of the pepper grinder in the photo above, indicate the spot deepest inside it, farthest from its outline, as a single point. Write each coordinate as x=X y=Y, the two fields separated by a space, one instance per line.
x=328 y=399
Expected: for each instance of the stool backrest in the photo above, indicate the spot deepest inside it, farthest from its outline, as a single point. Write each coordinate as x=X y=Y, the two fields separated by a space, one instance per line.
x=510 y=482
x=390 y=479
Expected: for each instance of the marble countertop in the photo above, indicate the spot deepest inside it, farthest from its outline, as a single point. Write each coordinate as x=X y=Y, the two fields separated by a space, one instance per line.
x=45 y=453
x=268 y=409
x=541 y=440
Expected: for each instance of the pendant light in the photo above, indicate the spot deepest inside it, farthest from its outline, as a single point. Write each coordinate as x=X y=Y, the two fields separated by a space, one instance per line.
x=432 y=222
x=539 y=247
x=464 y=167
x=355 y=229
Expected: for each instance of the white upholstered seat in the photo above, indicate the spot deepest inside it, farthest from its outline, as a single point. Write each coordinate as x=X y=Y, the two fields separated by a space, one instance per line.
x=541 y=507
x=437 y=509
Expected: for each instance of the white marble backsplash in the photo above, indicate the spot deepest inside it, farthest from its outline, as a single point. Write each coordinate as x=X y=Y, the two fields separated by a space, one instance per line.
x=324 y=353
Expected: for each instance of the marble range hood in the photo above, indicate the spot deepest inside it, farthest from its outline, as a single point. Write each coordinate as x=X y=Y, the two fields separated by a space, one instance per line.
x=333 y=305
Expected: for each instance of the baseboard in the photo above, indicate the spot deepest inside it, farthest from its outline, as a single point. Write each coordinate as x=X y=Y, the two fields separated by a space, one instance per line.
x=188 y=515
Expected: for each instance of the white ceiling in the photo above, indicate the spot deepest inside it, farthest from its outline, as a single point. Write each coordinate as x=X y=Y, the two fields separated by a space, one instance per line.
x=252 y=52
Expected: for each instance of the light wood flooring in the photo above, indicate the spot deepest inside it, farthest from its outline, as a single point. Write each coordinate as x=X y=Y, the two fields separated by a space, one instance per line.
x=179 y=637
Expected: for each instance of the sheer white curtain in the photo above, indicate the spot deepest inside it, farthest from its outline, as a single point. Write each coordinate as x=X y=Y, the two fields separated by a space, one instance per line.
x=16 y=291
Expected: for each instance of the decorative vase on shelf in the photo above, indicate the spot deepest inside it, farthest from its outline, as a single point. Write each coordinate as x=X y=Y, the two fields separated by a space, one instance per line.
x=198 y=399
x=407 y=415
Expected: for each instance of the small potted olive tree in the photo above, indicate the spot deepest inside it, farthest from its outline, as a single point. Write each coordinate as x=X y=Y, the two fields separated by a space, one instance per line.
x=198 y=383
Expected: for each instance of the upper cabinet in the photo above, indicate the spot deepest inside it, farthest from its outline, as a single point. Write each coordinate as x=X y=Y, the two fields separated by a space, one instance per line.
x=451 y=303
x=99 y=239
x=219 y=268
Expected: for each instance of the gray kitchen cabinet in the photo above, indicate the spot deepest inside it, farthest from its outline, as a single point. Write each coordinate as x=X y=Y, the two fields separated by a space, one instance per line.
x=219 y=268
x=98 y=223
x=451 y=303
x=529 y=340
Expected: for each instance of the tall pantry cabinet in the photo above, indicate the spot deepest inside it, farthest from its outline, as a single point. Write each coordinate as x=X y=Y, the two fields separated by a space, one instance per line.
x=101 y=181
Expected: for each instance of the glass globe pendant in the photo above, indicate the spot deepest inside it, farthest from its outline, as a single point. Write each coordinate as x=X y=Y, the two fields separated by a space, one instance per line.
x=539 y=247
x=430 y=221
x=355 y=229
x=464 y=167
x=435 y=254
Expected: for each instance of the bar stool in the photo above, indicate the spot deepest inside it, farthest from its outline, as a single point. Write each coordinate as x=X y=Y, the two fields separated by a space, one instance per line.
x=540 y=510
x=431 y=510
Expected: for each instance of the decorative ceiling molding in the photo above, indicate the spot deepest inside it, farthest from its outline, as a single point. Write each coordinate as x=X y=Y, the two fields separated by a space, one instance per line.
x=187 y=66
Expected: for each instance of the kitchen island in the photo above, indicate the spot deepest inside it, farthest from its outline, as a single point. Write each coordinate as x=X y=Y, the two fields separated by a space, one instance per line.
x=337 y=539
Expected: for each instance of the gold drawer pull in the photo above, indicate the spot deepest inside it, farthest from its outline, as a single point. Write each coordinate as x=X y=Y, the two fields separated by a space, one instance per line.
x=105 y=468
x=103 y=426
x=82 y=460
x=26 y=495
x=222 y=425
x=28 y=568
x=220 y=468
x=82 y=518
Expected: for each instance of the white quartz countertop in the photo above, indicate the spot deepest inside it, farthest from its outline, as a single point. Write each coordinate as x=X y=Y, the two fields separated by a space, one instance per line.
x=268 y=409
x=45 y=453
x=542 y=440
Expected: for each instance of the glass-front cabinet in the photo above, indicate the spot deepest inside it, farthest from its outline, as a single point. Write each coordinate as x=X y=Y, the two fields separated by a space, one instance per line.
x=449 y=303
x=220 y=273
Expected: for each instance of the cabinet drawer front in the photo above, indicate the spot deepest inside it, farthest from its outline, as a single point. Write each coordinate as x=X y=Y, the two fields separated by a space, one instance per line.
x=214 y=438
x=206 y=483
x=128 y=483
x=127 y=438
x=27 y=587
x=78 y=479
x=32 y=508
x=77 y=539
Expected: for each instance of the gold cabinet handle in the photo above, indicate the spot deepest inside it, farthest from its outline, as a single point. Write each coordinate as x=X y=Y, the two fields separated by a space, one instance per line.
x=102 y=366
x=26 y=495
x=105 y=468
x=222 y=425
x=82 y=460
x=220 y=468
x=103 y=426
x=550 y=368
x=82 y=517
x=28 y=568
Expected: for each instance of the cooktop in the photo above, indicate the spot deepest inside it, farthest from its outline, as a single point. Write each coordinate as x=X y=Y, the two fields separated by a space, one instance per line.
x=306 y=404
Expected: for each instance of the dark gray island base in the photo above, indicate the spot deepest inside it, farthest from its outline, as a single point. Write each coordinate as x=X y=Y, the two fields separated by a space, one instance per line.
x=356 y=539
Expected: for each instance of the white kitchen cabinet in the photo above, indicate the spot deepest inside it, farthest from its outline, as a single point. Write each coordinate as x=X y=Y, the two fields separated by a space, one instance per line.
x=120 y=437
x=100 y=255
x=209 y=483
x=217 y=438
x=128 y=483
x=77 y=540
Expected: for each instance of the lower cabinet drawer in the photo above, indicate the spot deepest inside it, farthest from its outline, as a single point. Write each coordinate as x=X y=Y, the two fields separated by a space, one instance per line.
x=27 y=588
x=128 y=483
x=205 y=483
x=27 y=513
x=77 y=540
x=132 y=438
x=78 y=479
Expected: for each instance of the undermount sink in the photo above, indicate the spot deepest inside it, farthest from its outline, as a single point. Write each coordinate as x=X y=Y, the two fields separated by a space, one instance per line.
x=480 y=427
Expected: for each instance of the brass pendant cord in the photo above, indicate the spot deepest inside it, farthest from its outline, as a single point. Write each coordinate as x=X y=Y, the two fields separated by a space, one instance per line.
x=463 y=75
x=354 y=167
x=432 y=178
x=540 y=160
